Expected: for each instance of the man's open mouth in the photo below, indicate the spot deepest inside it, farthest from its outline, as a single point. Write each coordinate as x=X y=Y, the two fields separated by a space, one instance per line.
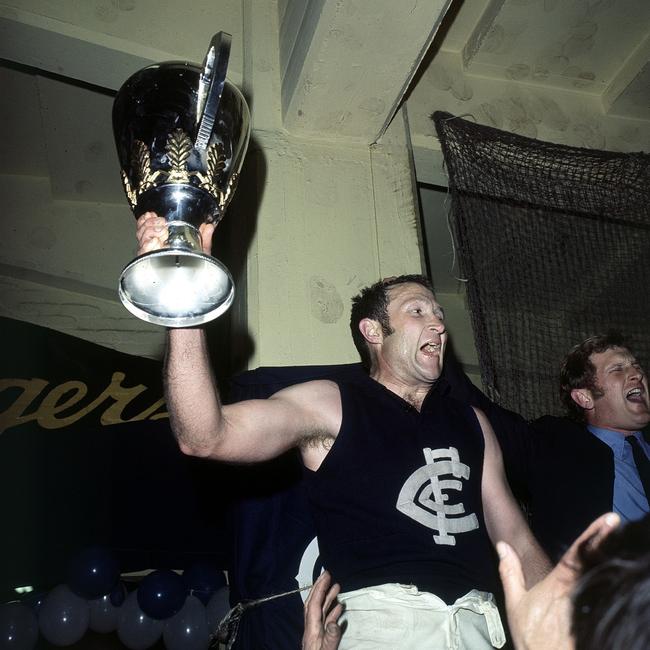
x=635 y=395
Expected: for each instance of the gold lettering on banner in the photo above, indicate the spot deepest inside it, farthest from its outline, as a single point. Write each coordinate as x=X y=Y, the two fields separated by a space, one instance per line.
x=31 y=388
x=67 y=395
x=53 y=403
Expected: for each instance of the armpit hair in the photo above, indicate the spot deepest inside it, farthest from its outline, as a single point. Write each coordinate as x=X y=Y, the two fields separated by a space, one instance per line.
x=317 y=439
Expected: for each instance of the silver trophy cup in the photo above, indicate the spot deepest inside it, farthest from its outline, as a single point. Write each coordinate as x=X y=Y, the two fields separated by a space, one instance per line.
x=181 y=133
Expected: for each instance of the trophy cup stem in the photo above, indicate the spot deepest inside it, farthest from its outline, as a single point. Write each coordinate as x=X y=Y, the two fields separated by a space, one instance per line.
x=183 y=236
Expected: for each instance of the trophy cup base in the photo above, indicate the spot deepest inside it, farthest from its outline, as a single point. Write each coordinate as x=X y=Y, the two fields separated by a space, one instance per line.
x=176 y=288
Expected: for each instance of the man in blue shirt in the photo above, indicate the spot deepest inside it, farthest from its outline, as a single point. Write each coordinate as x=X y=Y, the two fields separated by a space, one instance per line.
x=606 y=388
x=570 y=470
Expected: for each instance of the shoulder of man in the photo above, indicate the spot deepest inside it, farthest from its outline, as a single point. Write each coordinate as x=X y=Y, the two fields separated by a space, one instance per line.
x=551 y=424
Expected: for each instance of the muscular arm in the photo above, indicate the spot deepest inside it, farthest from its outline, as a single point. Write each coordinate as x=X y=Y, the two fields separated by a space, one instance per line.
x=193 y=400
x=248 y=431
x=503 y=517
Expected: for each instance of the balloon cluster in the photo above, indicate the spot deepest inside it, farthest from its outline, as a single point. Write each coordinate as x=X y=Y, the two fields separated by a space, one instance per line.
x=182 y=609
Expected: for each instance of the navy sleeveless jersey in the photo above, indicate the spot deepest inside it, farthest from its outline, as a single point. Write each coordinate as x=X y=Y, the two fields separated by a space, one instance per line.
x=398 y=496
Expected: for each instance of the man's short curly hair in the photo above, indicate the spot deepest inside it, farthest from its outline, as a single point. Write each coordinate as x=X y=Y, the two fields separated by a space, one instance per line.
x=372 y=303
x=578 y=371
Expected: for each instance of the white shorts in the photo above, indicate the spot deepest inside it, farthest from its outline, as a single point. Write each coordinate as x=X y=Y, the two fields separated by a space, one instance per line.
x=394 y=616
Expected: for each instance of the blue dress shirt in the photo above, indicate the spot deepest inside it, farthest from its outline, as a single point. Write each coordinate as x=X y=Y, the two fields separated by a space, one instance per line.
x=630 y=501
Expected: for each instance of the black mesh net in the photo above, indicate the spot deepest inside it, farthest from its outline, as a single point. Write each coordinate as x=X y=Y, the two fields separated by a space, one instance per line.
x=555 y=244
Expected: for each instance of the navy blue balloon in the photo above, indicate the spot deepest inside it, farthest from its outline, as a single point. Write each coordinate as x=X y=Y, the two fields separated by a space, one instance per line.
x=161 y=594
x=93 y=573
x=202 y=580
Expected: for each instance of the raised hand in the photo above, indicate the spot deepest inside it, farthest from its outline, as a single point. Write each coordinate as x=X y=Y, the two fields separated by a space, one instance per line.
x=540 y=617
x=151 y=233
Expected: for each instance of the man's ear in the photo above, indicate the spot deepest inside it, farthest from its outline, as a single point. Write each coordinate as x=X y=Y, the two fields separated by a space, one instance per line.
x=583 y=398
x=371 y=330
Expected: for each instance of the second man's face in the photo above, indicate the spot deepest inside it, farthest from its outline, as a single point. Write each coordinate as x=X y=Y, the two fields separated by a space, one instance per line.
x=625 y=404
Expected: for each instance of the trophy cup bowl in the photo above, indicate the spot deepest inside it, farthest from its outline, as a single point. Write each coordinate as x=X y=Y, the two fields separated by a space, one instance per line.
x=181 y=133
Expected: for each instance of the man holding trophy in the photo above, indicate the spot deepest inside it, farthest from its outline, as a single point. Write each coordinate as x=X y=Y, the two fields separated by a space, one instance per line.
x=406 y=485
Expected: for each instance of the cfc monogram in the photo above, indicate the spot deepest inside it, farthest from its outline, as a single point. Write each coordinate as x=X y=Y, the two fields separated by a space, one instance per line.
x=423 y=497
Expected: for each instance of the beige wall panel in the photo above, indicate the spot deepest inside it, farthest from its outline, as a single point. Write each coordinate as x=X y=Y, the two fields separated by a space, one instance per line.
x=332 y=219
x=88 y=242
x=399 y=240
x=59 y=266
x=314 y=248
x=95 y=319
x=261 y=78
x=457 y=319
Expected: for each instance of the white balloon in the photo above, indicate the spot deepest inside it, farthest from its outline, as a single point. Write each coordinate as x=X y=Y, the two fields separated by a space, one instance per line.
x=18 y=627
x=188 y=628
x=63 y=616
x=135 y=629
x=218 y=606
x=103 y=614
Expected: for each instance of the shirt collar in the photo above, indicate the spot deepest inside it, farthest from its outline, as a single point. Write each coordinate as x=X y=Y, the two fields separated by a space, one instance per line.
x=614 y=439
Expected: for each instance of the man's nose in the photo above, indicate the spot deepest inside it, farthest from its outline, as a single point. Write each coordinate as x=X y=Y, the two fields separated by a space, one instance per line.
x=437 y=325
x=635 y=373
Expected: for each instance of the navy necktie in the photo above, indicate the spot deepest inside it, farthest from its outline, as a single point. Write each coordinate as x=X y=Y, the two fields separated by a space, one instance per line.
x=642 y=464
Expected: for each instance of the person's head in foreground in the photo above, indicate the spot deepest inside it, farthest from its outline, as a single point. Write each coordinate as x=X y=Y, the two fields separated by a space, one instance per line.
x=611 y=601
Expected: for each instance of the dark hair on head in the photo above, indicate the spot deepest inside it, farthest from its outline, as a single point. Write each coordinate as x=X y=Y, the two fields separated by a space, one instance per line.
x=611 y=600
x=578 y=371
x=372 y=303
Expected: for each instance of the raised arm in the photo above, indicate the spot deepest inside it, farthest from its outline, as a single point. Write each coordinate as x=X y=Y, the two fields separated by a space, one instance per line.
x=248 y=431
x=193 y=400
x=503 y=516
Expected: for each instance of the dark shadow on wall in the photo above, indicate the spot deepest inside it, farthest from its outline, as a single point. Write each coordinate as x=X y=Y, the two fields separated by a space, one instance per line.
x=231 y=345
